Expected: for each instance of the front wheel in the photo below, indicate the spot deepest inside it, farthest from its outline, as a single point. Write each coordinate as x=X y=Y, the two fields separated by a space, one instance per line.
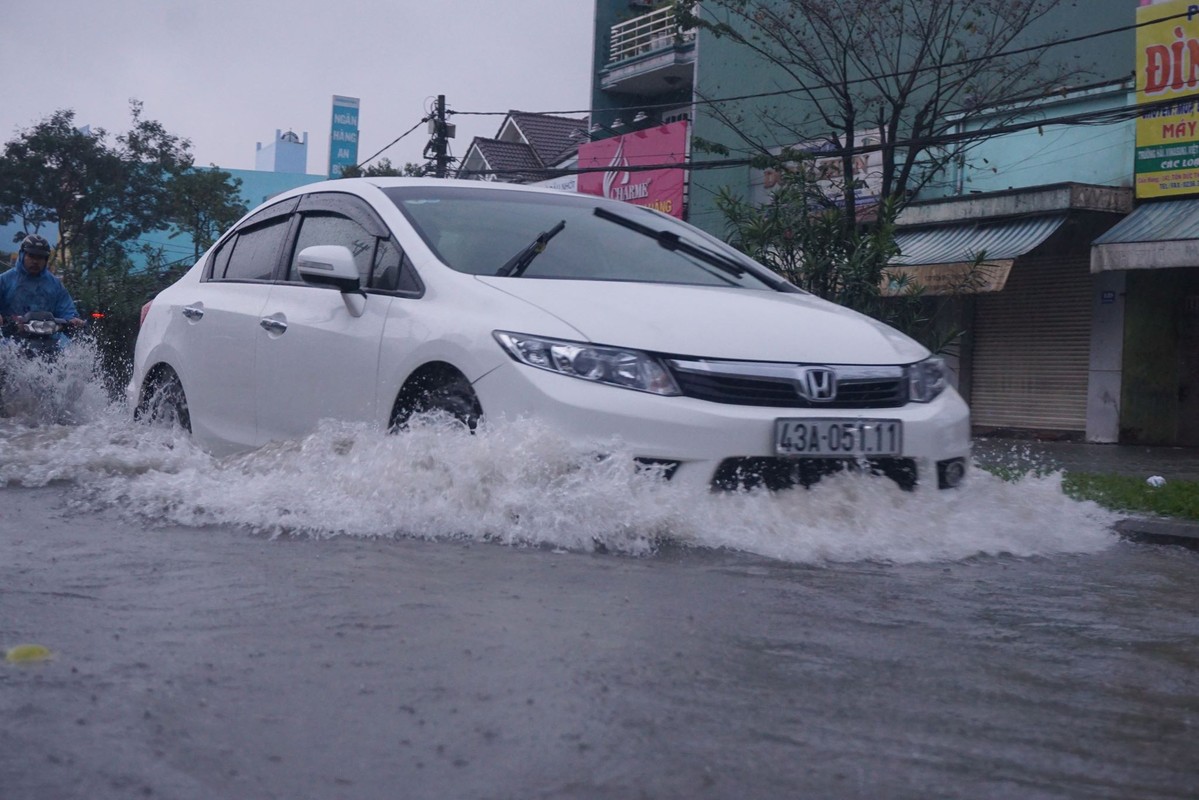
x=445 y=391
x=164 y=402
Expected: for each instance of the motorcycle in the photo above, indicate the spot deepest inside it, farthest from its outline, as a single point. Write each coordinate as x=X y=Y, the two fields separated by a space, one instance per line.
x=35 y=335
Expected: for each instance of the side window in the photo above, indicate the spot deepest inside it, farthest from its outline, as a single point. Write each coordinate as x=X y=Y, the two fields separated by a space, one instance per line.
x=393 y=270
x=220 y=261
x=327 y=228
x=255 y=252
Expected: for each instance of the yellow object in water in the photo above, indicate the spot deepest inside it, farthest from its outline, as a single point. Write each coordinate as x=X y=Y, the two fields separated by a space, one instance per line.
x=27 y=652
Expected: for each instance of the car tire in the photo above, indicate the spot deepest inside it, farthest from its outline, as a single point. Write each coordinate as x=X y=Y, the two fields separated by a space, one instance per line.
x=164 y=401
x=445 y=390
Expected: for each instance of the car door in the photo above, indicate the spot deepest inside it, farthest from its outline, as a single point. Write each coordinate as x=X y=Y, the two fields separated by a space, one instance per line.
x=318 y=348
x=218 y=365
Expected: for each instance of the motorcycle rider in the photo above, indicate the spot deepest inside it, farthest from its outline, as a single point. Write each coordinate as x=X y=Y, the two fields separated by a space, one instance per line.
x=30 y=286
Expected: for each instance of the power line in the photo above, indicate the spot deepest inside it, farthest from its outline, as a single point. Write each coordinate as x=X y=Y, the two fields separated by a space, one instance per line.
x=815 y=87
x=1092 y=118
x=393 y=141
x=1104 y=117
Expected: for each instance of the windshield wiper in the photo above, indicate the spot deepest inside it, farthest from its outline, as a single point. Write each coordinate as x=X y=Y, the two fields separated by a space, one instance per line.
x=521 y=261
x=671 y=241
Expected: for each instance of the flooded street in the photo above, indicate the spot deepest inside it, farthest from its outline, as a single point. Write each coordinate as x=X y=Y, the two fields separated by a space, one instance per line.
x=513 y=616
x=210 y=662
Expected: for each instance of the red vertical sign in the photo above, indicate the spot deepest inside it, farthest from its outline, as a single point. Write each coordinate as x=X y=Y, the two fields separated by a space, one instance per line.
x=638 y=167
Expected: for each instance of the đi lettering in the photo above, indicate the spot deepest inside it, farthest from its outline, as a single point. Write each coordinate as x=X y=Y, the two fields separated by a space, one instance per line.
x=1174 y=66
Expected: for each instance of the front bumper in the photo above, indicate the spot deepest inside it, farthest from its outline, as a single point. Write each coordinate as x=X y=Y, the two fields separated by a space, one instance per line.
x=700 y=435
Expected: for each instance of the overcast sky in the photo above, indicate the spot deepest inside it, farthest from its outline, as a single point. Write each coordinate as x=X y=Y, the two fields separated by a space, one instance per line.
x=227 y=73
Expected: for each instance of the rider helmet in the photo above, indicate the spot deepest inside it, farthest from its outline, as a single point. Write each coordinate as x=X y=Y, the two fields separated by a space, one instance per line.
x=35 y=245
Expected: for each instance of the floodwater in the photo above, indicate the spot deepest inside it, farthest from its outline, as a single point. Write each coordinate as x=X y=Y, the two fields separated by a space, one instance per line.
x=509 y=615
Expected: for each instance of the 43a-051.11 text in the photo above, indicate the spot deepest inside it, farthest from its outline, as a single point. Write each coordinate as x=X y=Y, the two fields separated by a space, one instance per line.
x=839 y=437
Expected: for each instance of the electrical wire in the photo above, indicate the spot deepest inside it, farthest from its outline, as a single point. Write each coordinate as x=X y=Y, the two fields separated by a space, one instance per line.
x=1103 y=117
x=393 y=142
x=815 y=87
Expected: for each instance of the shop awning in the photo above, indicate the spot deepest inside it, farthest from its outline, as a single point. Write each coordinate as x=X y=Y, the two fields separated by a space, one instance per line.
x=1159 y=234
x=944 y=259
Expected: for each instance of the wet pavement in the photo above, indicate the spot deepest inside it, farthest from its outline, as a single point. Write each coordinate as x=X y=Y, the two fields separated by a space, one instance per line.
x=1170 y=463
x=191 y=662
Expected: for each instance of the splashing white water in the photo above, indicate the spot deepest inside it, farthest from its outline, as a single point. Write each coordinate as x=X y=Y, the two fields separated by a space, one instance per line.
x=519 y=483
x=68 y=388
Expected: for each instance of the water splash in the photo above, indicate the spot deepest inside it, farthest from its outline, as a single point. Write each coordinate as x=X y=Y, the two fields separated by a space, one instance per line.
x=66 y=389
x=519 y=483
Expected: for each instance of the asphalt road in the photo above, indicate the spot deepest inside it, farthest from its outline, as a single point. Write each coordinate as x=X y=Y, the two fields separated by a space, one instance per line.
x=213 y=662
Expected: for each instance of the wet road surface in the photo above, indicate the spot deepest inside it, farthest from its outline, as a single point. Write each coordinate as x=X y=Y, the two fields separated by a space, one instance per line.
x=216 y=663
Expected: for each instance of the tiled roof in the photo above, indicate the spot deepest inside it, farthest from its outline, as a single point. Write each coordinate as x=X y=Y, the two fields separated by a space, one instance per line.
x=515 y=161
x=549 y=135
x=547 y=142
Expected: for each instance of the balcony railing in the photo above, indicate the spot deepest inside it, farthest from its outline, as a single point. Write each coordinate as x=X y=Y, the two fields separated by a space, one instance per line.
x=657 y=30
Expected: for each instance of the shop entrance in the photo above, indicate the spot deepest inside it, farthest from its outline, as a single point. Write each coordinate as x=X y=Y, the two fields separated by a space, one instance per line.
x=1160 y=396
x=1188 y=371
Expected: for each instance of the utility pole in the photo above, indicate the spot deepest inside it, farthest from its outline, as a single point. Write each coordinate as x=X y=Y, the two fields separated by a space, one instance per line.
x=441 y=133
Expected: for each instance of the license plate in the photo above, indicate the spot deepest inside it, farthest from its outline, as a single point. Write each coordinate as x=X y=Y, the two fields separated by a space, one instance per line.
x=838 y=438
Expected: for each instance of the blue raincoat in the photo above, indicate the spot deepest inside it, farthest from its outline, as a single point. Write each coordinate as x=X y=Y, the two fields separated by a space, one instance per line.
x=21 y=293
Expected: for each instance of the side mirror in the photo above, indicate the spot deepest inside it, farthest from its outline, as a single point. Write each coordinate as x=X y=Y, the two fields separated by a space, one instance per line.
x=329 y=265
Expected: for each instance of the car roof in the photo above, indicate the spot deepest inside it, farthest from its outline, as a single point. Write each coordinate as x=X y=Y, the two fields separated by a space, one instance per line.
x=357 y=185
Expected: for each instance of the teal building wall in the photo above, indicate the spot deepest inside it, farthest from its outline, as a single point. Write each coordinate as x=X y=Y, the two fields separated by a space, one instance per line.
x=1100 y=154
x=724 y=69
x=256 y=187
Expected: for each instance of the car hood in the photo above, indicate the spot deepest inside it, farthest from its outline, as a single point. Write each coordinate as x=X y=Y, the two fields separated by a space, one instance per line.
x=714 y=322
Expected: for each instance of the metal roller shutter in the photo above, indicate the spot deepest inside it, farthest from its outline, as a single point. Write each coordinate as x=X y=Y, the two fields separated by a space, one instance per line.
x=1032 y=347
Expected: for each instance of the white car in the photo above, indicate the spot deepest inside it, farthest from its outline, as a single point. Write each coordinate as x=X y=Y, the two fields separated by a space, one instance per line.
x=374 y=299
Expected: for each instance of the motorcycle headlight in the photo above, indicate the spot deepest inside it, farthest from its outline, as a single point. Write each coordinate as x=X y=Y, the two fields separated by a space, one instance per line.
x=41 y=327
x=630 y=369
x=927 y=379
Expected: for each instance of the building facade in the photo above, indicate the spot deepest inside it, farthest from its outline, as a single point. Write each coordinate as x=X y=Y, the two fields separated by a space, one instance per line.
x=1149 y=262
x=288 y=152
x=1040 y=353
x=1058 y=343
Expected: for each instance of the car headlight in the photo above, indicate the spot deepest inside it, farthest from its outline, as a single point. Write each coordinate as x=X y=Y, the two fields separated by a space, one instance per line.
x=927 y=379
x=630 y=369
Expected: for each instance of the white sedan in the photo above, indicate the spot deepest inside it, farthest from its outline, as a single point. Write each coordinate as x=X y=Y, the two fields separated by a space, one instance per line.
x=371 y=300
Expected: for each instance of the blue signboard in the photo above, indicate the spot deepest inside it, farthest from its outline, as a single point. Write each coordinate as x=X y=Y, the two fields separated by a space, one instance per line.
x=343 y=136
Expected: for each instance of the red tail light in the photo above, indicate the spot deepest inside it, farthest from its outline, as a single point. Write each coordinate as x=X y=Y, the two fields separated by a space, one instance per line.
x=97 y=315
x=145 y=311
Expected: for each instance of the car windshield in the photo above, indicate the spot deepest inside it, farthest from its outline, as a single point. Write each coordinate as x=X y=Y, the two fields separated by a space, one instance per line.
x=533 y=235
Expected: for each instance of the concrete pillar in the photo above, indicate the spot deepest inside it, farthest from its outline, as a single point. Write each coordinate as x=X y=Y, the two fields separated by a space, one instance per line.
x=1107 y=356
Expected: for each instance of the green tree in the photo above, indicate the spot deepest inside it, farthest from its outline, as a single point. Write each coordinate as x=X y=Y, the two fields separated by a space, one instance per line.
x=803 y=236
x=103 y=193
x=800 y=235
x=204 y=204
x=383 y=168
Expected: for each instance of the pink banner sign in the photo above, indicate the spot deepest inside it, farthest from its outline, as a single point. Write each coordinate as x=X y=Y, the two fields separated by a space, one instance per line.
x=639 y=167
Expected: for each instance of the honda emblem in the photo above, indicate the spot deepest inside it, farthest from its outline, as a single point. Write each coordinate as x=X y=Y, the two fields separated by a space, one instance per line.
x=818 y=384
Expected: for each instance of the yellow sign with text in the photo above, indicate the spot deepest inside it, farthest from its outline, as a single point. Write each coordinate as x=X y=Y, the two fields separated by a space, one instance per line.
x=1167 y=153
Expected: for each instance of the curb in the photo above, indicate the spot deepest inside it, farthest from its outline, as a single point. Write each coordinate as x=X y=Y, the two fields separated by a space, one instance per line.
x=1159 y=530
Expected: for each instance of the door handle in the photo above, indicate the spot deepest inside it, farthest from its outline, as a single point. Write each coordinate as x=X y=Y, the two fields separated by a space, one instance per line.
x=273 y=325
x=193 y=312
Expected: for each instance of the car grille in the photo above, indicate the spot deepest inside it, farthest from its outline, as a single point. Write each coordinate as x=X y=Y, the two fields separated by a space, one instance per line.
x=776 y=473
x=775 y=385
